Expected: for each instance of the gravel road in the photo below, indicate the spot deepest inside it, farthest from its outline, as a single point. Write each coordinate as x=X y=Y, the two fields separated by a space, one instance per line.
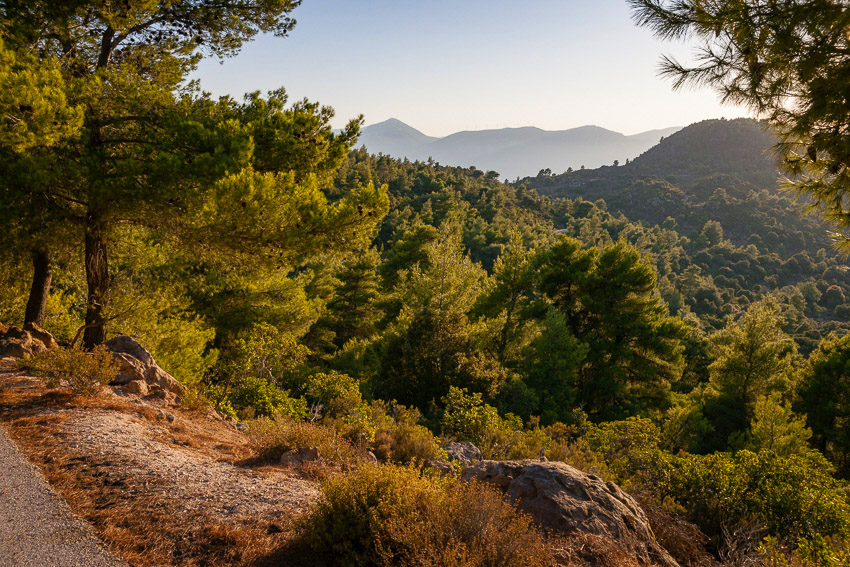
x=37 y=528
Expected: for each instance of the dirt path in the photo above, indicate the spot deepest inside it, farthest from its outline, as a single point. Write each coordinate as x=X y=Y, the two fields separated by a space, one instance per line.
x=37 y=527
x=159 y=485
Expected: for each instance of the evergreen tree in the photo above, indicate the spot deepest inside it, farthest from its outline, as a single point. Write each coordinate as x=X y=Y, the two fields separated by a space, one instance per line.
x=824 y=392
x=608 y=300
x=152 y=150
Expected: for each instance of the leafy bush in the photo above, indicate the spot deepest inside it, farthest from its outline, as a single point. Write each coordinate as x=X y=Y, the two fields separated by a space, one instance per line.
x=339 y=394
x=792 y=497
x=467 y=418
x=84 y=372
x=631 y=452
x=402 y=440
x=272 y=437
x=264 y=399
x=387 y=515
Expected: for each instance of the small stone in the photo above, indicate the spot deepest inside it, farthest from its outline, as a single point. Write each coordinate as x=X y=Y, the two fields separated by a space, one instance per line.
x=139 y=387
x=169 y=417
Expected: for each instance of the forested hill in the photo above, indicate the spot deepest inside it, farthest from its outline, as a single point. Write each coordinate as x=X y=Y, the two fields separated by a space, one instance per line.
x=720 y=241
x=716 y=170
x=690 y=158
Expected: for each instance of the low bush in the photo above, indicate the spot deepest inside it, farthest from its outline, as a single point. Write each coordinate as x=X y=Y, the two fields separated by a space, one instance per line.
x=791 y=498
x=388 y=516
x=401 y=439
x=272 y=437
x=256 y=396
x=85 y=373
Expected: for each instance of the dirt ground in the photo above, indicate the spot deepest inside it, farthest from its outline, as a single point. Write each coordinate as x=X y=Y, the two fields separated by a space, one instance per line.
x=160 y=485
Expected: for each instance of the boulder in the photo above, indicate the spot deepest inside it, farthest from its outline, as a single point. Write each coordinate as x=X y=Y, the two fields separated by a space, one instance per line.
x=129 y=369
x=136 y=364
x=158 y=376
x=138 y=387
x=41 y=335
x=561 y=498
x=20 y=343
x=300 y=456
x=130 y=346
x=464 y=453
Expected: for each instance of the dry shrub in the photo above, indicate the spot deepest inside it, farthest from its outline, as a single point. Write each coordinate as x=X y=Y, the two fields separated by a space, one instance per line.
x=402 y=440
x=272 y=437
x=588 y=550
x=85 y=373
x=682 y=539
x=387 y=515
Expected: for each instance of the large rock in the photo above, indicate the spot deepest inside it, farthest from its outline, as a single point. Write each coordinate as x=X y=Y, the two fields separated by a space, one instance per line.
x=130 y=346
x=130 y=369
x=137 y=366
x=464 y=452
x=23 y=343
x=41 y=335
x=561 y=498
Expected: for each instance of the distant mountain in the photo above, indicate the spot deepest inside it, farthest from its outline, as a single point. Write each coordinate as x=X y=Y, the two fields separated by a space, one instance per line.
x=697 y=158
x=513 y=152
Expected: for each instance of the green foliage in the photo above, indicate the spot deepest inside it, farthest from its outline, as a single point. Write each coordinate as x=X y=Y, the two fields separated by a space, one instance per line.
x=753 y=357
x=824 y=391
x=338 y=394
x=436 y=351
x=630 y=450
x=553 y=363
x=467 y=418
x=387 y=515
x=257 y=396
x=633 y=346
x=85 y=373
x=790 y=497
x=776 y=428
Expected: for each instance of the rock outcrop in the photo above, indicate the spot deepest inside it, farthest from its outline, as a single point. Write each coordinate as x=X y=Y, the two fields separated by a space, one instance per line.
x=561 y=498
x=24 y=343
x=139 y=373
x=464 y=452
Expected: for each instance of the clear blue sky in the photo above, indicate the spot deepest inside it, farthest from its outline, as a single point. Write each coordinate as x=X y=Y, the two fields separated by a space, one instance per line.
x=448 y=65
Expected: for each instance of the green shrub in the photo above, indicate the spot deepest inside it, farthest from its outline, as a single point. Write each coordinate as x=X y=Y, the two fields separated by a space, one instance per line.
x=630 y=450
x=263 y=399
x=272 y=437
x=85 y=373
x=386 y=515
x=339 y=394
x=466 y=417
x=402 y=440
x=792 y=498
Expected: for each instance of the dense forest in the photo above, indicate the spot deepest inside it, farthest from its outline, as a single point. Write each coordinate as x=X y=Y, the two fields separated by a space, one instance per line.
x=698 y=307
x=676 y=323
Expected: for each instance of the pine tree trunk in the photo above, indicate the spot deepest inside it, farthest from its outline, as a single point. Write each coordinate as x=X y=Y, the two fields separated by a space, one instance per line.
x=98 y=283
x=42 y=275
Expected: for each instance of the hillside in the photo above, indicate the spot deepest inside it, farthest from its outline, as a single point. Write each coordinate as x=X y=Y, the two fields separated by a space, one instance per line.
x=512 y=152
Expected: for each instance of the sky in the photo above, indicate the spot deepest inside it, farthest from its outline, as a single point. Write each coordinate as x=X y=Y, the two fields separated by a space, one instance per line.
x=444 y=66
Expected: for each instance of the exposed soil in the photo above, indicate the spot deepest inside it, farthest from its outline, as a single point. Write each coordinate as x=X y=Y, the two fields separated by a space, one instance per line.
x=161 y=486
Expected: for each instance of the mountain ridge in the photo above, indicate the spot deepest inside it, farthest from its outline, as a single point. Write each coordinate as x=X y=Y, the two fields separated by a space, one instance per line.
x=513 y=152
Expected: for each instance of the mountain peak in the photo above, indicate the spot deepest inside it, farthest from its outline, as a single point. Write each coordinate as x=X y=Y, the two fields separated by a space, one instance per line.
x=513 y=152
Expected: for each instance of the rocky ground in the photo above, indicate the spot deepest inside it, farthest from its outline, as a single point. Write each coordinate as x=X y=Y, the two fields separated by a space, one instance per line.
x=160 y=485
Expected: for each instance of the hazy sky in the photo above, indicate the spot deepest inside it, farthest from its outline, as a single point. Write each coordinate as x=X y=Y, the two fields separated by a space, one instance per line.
x=448 y=65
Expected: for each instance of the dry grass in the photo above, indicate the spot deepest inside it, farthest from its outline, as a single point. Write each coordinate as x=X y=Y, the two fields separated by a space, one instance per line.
x=136 y=519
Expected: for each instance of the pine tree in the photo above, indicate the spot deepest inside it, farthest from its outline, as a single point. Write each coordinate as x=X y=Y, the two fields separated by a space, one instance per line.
x=154 y=152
